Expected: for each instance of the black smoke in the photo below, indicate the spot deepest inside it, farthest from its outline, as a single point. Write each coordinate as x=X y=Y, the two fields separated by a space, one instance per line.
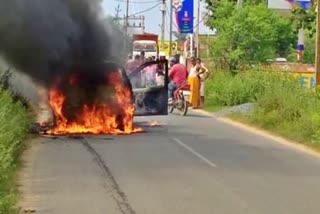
x=45 y=38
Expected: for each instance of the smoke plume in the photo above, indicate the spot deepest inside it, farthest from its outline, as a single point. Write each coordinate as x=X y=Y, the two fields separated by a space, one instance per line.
x=45 y=38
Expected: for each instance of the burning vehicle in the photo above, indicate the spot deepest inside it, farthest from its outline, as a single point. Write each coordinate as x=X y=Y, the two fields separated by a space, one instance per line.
x=73 y=54
x=103 y=103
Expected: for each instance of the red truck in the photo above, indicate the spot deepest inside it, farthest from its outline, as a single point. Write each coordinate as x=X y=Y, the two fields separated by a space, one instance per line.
x=145 y=42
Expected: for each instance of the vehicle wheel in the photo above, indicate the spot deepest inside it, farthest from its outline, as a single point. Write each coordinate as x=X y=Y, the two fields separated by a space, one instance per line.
x=170 y=108
x=184 y=107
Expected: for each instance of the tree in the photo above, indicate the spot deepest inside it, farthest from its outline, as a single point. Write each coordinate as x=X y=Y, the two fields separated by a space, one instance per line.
x=251 y=35
x=212 y=5
x=305 y=18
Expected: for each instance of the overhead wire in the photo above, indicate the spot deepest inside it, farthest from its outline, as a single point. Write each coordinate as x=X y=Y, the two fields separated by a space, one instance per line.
x=146 y=10
x=200 y=21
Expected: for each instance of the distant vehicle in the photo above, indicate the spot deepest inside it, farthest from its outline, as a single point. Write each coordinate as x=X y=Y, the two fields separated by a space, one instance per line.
x=277 y=60
x=281 y=60
x=145 y=42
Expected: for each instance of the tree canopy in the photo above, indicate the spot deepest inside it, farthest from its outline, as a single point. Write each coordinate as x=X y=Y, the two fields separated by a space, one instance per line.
x=252 y=34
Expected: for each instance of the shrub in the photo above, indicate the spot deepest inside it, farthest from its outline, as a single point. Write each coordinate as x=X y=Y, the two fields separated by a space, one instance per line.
x=281 y=103
x=13 y=130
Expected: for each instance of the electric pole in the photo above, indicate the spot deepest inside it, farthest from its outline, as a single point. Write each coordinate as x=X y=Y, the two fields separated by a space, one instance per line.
x=126 y=21
x=118 y=10
x=163 y=10
x=198 y=29
x=141 y=24
x=239 y=3
x=318 y=44
x=170 y=33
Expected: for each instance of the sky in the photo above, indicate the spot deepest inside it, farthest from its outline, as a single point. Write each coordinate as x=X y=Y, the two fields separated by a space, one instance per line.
x=152 y=17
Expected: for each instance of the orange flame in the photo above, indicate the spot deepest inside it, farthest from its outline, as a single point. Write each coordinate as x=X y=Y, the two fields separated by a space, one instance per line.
x=154 y=123
x=95 y=119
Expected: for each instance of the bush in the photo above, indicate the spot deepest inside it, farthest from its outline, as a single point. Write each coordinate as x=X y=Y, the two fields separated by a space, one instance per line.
x=281 y=103
x=13 y=130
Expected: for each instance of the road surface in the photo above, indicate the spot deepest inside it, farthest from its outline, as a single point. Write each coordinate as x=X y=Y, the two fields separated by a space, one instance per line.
x=187 y=165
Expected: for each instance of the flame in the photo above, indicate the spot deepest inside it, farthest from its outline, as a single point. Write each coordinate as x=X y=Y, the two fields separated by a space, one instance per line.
x=154 y=123
x=97 y=118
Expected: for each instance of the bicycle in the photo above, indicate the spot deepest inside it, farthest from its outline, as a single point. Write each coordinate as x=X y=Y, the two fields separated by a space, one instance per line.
x=180 y=100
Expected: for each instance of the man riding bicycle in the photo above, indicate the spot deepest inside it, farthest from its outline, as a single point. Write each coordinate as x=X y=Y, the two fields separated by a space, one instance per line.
x=178 y=76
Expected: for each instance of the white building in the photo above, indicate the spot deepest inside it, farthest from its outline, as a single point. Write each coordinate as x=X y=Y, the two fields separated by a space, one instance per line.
x=281 y=6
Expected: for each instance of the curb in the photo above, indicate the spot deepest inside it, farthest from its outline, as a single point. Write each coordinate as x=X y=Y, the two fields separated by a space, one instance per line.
x=263 y=133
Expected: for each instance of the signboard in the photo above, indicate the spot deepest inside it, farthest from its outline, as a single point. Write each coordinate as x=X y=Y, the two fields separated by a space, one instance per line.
x=184 y=15
x=288 y=4
x=305 y=72
x=166 y=46
x=305 y=4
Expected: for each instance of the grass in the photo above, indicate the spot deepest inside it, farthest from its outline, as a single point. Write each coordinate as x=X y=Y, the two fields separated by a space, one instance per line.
x=213 y=108
x=14 y=122
x=282 y=105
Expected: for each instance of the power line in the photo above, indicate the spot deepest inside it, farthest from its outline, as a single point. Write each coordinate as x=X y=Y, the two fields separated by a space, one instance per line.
x=203 y=18
x=147 y=10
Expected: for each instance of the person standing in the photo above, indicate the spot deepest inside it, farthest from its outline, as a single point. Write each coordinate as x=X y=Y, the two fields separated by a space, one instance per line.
x=194 y=82
x=203 y=77
x=134 y=76
x=142 y=57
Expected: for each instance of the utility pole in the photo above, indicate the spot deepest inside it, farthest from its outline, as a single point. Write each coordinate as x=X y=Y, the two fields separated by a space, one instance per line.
x=198 y=29
x=163 y=10
x=318 y=44
x=126 y=21
x=239 y=3
x=141 y=24
x=118 y=10
x=170 y=33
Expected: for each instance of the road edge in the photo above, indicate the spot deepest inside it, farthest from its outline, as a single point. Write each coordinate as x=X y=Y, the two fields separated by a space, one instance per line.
x=263 y=133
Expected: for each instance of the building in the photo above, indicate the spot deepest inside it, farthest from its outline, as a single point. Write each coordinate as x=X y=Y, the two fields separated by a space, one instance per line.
x=281 y=6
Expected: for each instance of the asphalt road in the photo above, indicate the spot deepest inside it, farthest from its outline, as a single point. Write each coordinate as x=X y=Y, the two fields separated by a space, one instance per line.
x=187 y=165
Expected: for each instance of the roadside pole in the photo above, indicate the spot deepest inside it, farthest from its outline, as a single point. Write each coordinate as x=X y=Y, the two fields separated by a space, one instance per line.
x=126 y=21
x=163 y=29
x=198 y=29
x=170 y=33
x=239 y=4
x=317 y=44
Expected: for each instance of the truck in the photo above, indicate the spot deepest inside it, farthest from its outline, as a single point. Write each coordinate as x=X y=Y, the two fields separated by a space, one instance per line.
x=146 y=42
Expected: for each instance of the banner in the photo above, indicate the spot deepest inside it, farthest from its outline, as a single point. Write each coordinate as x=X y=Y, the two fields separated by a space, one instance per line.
x=184 y=15
x=166 y=46
x=305 y=4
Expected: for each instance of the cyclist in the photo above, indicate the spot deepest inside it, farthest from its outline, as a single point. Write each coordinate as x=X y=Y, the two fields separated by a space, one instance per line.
x=178 y=76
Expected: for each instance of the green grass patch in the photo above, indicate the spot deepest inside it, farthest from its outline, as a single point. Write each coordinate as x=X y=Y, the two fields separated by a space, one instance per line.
x=213 y=108
x=282 y=105
x=14 y=121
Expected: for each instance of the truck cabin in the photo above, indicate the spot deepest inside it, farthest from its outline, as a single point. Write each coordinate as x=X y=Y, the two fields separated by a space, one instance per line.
x=150 y=48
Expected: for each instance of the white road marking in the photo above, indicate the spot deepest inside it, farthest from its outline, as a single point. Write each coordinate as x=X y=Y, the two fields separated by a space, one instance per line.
x=204 y=159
